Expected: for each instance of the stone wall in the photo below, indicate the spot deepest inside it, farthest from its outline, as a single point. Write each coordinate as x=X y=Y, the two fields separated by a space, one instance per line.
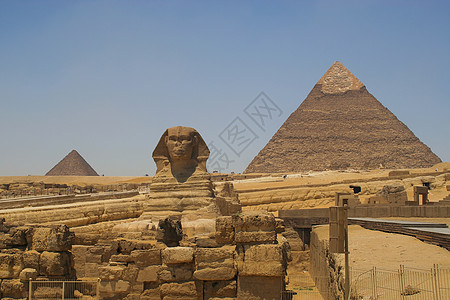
x=245 y=259
x=31 y=252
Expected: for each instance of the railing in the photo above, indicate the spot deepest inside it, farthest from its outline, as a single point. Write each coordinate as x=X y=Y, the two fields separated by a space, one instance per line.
x=405 y=284
x=64 y=290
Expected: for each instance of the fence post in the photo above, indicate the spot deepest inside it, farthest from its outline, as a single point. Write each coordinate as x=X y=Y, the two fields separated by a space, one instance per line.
x=374 y=283
x=30 y=290
x=436 y=283
x=98 y=289
x=400 y=276
x=62 y=296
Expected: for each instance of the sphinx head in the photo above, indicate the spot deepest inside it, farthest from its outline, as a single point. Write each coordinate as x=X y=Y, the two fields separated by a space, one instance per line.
x=182 y=151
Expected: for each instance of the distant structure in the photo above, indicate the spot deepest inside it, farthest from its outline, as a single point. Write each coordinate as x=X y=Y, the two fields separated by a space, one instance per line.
x=340 y=125
x=72 y=165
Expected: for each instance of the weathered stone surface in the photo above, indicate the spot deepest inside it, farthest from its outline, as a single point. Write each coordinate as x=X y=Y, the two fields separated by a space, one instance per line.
x=329 y=131
x=224 y=230
x=111 y=273
x=11 y=264
x=254 y=222
x=52 y=238
x=130 y=273
x=220 y=289
x=148 y=274
x=255 y=237
x=47 y=292
x=55 y=263
x=177 y=255
x=215 y=274
x=115 y=289
x=13 y=288
x=258 y=287
x=31 y=259
x=28 y=273
x=179 y=290
x=151 y=293
x=169 y=232
x=211 y=256
x=262 y=260
x=181 y=272
x=146 y=257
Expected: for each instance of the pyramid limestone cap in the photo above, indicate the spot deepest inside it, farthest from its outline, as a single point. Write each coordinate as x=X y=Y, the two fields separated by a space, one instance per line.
x=338 y=79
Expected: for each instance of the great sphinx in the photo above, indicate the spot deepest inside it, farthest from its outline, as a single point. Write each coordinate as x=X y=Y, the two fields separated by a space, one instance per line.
x=182 y=186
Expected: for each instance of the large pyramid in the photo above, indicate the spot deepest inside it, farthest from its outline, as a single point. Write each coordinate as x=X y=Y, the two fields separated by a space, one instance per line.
x=341 y=125
x=72 y=165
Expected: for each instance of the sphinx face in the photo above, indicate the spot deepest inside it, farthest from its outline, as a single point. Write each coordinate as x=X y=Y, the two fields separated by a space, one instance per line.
x=180 y=143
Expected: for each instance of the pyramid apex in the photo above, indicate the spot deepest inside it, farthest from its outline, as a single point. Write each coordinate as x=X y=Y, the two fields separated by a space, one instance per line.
x=338 y=79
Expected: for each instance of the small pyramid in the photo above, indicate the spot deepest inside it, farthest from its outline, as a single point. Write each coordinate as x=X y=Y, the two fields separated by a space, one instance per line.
x=72 y=165
x=340 y=125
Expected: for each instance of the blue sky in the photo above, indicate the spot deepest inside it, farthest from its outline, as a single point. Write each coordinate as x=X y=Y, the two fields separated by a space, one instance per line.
x=108 y=77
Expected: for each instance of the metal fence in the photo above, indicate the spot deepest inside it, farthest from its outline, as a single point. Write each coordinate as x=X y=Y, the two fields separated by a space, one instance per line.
x=64 y=290
x=405 y=284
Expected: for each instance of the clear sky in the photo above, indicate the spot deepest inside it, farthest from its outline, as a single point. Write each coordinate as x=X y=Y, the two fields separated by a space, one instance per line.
x=108 y=77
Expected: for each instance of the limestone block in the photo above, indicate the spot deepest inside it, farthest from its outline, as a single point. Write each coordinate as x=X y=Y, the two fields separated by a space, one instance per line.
x=146 y=257
x=151 y=293
x=208 y=256
x=254 y=221
x=13 y=288
x=91 y=270
x=262 y=260
x=224 y=230
x=11 y=264
x=130 y=273
x=79 y=259
x=114 y=288
x=244 y=237
x=148 y=274
x=215 y=263
x=258 y=287
x=264 y=253
x=16 y=237
x=111 y=273
x=220 y=289
x=125 y=246
x=177 y=255
x=206 y=242
x=28 y=273
x=55 y=263
x=181 y=272
x=53 y=238
x=121 y=258
x=215 y=274
x=179 y=290
x=103 y=251
x=269 y=269
x=47 y=292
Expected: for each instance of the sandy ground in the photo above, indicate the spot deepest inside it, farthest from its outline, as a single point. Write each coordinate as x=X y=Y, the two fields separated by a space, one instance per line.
x=387 y=251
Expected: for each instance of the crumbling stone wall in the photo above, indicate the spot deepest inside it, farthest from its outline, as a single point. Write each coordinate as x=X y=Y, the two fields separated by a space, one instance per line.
x=30 y=252
x=246 y=258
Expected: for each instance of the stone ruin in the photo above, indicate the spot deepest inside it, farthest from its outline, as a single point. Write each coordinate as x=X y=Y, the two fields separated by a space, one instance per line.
x=190 y=241
x=31 y=252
